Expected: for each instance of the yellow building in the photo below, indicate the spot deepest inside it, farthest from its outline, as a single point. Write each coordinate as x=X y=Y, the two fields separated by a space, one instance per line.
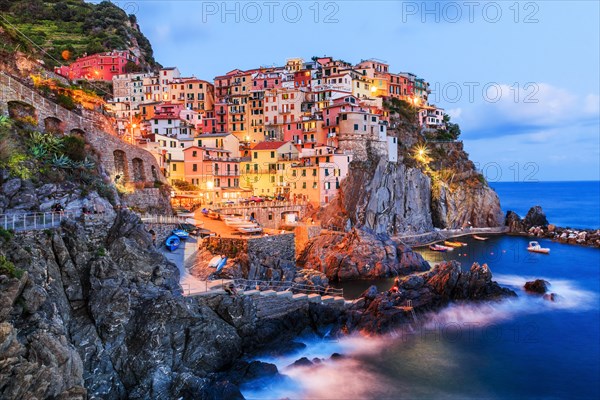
x=268 y=171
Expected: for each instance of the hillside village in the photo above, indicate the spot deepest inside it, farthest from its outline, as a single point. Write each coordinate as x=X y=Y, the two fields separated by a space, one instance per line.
x=287 y=132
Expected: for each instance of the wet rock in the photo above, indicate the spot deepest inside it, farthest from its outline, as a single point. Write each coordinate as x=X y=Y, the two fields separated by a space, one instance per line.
x=539 y=286
x=337 y=356
x=553 y=297
x=302 y=362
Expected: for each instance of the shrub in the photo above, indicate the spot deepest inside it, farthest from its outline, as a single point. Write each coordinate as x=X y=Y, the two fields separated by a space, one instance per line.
x=74 y=148
x=101 y=252
x=9 y=269
x=5 y=234
x=66 y=101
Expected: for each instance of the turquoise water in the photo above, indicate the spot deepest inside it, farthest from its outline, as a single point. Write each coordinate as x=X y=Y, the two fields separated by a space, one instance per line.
x=572 y=204
x=520 y=348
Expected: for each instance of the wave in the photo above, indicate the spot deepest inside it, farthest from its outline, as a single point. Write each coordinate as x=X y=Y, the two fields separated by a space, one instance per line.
x=354 y=379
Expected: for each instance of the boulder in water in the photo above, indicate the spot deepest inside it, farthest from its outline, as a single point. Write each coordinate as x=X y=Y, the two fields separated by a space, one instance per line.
x=539 y=286
x=553 y=297
x=302 y=362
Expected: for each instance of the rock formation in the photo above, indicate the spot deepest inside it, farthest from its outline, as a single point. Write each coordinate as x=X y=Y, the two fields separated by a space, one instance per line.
x=380 y=312
x=539 y=286
x=360 y=255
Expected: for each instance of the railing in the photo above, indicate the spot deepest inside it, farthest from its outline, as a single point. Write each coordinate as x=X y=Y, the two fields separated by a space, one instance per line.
x=274 y=203
x=279 y=286
x=162 y=219
x=35 y=221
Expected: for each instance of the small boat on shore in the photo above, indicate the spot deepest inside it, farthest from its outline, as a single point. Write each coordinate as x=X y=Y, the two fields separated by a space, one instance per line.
x=480 y=238
x=454 y=244
x=181 y=233
x=535 y=247
x=438 y=247
x=249 y=229
x=172 y=242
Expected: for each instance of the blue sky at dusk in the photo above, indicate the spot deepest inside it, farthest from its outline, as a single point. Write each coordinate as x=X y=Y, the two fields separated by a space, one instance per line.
x=521 y=78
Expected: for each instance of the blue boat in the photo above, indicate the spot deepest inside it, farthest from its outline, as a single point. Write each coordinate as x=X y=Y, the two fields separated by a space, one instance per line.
x=172 y=242
x=221 y=264
x=181 y=234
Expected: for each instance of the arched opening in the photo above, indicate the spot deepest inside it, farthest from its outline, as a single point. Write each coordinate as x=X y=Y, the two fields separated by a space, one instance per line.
x=138 y=170
x=121 y=170
x=53 y=125
x=154 y=173
x=78 y=132
x=22 y=112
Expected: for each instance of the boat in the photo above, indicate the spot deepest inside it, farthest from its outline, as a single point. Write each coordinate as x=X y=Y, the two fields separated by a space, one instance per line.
x=437 y=247
x=249 y=229
x=213 y=214
x=172 y=242
x=454 y=244
x=479 y=238
x=214 y=261
x=181 y=233
x=238 y=222
x=536 y=248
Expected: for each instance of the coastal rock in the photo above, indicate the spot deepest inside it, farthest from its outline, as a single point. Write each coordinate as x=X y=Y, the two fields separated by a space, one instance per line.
x=311 y=279
x=360 y=255
x=302 y=362
x=539 y=286
x=444 y=283
x=535 y=217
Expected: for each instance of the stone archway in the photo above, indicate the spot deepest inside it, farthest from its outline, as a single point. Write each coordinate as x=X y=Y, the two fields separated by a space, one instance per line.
x=139 y=175
x=54 y=125
x=121 y=169
x=78 y=132
x=21 y=111
x=154 y=173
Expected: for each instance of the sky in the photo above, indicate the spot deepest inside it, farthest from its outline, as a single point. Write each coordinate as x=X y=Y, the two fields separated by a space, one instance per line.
x=521 y=78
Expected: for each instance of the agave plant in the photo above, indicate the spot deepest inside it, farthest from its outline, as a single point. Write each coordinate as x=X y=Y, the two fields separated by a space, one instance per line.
x=85 y=164
x=4 y=121
x=51 y=143
x=38 y=151
x=61 y=161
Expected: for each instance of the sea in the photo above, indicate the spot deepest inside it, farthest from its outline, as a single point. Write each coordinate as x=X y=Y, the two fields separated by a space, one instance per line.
x=525 y=347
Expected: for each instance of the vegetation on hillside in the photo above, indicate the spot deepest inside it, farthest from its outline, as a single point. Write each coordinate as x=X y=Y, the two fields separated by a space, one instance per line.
x=67 y=29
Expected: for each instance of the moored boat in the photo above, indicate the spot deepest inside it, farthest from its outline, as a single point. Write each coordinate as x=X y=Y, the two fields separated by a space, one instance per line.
x=454 y=244
x=536 y=248
x=479 y=238
x=181 y=233
x=438 y=247
x=172 y=242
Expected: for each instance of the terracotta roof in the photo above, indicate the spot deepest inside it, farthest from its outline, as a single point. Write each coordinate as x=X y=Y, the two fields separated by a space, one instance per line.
x=268 y=145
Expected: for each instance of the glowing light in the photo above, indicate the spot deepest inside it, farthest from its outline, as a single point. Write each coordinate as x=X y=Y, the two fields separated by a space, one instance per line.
x=210 y=185
x=373 y=89
x=421 y=153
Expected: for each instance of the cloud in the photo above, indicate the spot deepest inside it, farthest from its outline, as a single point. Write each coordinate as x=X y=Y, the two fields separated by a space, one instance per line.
x=506 y=110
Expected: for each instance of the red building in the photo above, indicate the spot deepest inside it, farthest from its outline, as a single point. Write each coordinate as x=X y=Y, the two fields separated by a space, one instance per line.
x=100 y=67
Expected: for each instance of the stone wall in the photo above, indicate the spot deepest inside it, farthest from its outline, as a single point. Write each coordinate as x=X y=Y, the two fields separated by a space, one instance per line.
x=150 y=200
x=304 y=233
x=98 y=130
x=269 y=215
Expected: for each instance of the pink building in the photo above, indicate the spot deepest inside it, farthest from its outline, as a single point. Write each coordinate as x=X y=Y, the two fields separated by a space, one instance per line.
x=100 y=66
x=214 y=170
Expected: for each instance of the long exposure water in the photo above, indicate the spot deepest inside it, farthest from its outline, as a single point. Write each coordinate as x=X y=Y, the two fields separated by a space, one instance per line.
x=524 y=347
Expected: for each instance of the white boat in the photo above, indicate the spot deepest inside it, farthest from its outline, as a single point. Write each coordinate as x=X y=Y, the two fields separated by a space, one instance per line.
x=238 y=222
x=536 y=248
x=249 y=229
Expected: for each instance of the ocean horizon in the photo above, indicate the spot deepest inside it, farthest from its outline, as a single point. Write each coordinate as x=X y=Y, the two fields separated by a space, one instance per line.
x=574 y=204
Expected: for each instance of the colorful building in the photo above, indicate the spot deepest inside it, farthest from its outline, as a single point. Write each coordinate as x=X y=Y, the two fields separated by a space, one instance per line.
x=99 y=67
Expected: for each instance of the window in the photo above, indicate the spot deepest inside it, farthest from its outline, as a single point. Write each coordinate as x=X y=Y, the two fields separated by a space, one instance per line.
x=355 y=127
x=303 y=185
x=174 y=167
x=272 y=154
x=194 y=153
x=255 y=154
x=194 y=167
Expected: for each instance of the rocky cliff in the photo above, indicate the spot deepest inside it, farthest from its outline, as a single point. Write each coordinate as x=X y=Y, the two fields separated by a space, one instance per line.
x=92 y=310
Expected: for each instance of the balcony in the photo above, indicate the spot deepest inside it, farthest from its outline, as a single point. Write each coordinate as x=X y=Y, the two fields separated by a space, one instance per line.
x=286 y=157
x=223 y=159
x=225 y=173
x=237 y=111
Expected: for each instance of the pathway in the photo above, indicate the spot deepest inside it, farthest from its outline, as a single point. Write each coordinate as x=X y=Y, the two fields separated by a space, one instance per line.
x=424 y=239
